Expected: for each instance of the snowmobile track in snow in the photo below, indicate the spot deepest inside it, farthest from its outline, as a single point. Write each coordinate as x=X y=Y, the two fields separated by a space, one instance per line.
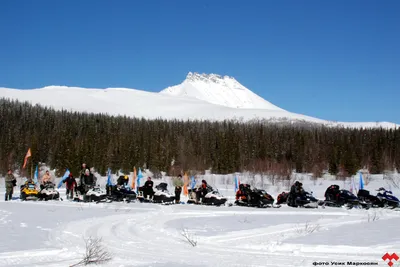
x=151 y=235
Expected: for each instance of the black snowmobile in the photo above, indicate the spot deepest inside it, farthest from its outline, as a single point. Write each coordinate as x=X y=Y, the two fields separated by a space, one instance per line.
x=303 y=199
x=373 y=201
x=120 y=193
x=213 y=197
x=334 y=197
x=160 y=195
x=253 y=197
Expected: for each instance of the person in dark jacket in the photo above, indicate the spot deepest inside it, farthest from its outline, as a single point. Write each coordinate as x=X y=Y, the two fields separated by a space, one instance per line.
x=123 y=180
x=87 y=180
x=295 y=191
x=148 y=188
x=70 y=184
x=10 y=183
x=202 y=191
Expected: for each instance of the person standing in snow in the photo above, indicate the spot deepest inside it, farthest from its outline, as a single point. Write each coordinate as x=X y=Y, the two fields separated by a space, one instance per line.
x=87 y=180
x=82 y=173
x=10 y=183
x=70 y=184
x=178 y=183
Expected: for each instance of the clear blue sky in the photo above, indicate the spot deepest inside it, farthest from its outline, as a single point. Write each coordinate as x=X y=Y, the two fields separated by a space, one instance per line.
x=336 y=60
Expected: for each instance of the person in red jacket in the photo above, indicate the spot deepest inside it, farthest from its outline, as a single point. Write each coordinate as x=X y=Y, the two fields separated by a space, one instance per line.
x=202 y=191
x=70 y=184
x=241 y=193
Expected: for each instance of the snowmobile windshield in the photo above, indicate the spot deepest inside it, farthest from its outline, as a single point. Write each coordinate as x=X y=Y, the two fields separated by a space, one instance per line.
x=31 y=186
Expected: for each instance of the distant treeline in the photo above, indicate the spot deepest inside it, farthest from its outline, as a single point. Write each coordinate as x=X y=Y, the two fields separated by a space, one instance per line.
x=64 y=139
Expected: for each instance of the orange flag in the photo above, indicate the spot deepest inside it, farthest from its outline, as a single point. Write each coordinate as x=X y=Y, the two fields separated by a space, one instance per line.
x=28 y=154
x=185 y=184
x=134 y=179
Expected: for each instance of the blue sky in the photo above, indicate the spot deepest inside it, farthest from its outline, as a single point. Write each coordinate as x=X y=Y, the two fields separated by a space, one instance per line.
x=335 y=60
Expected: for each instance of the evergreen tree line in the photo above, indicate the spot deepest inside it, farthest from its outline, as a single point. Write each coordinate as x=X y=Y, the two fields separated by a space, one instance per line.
x=64 y=139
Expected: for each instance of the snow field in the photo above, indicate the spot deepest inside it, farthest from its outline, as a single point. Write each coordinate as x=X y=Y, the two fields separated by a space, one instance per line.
x=138 y=234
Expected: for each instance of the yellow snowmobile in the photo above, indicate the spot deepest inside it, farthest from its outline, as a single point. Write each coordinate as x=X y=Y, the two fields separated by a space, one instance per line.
x=29 y=192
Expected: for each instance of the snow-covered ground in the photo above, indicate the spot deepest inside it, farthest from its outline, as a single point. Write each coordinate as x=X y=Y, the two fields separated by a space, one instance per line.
x=198 y=97
x=136 y=234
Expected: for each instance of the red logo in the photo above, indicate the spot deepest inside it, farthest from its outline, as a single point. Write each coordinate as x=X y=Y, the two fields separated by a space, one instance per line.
x=389 y=257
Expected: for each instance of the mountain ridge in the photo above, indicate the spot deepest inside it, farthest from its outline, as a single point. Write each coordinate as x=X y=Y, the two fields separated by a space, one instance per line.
x=199 y=97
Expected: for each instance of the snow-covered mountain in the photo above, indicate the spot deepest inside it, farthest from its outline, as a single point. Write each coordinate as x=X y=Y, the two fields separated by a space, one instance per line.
x=199 y=96
x=215 y=89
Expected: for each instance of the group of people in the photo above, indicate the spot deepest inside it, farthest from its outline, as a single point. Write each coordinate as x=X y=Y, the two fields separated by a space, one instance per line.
x=87 y=180
x=178 y=183
x=11 y=182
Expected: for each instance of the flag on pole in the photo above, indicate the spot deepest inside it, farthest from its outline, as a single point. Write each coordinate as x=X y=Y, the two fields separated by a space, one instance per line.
x=185 y=184
x=361 y=182
x=134 y=178
x=65 y=176
x=36 y=175
x=139 y=176
x=28 y=154
x=193 y=183
x=237 y=183
x=109 y=182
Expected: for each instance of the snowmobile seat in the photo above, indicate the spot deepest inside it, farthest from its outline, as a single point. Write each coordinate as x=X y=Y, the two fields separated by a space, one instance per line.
x=162 y=186
x=363 y=193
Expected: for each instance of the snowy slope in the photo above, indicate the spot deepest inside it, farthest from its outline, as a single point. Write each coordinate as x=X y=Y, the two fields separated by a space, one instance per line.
x=201 y=97
x=215 y=89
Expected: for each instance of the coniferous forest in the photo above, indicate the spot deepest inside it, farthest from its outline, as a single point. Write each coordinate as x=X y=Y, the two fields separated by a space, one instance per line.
x=64 y=139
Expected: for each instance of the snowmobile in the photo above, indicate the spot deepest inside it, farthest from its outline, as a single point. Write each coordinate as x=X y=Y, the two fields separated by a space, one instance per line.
x=95 y=193
x=49 y=192
x=304 y=199
x=29 y=192
x=120 y=193
x=334 y=197
x=161 y=195
x=254 y=198
x=387 y=199
x=213 y=197
x=373 y=201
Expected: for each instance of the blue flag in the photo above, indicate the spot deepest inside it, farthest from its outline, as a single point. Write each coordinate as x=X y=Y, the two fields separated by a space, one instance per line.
x=361 y=182
x=109 y=182
x=193 y=182
x=65 y=176
x=36 y=175
x=236 y=183
x=139 y=176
